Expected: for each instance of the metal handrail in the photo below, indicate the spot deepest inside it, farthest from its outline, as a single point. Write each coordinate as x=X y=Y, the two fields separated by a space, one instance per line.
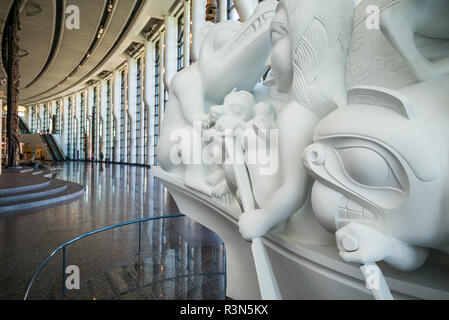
x=64 y=245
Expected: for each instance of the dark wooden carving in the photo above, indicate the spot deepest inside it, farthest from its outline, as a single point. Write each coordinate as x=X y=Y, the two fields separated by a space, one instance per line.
x=211 y=11
x=12 y=121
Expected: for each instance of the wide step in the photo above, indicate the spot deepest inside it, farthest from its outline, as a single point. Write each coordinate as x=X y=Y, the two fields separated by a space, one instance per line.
x=71 y=192
x=55 y=187
x=23 y=189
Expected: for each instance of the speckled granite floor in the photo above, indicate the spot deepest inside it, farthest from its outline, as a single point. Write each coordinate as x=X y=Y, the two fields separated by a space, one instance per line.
x=180 y=259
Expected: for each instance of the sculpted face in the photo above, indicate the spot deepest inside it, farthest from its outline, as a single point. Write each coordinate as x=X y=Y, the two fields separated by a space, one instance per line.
x=280 y=57
x=370 y=174
x=240 y=47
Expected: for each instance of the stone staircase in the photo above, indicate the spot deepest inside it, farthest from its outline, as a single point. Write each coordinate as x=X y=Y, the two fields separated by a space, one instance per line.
x=23 y=189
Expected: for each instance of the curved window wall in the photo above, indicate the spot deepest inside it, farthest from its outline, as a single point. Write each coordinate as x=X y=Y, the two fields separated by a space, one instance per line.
x=104 y=127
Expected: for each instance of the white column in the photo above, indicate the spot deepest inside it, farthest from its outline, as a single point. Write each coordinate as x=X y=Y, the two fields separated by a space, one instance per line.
x=97 y=123
x=51 y=112
x=161 y=77
x=223 y=4
x=111 y=117
x=116 y=114
x=90 y=102
x=187 y=33
x=171 y=50
x=132 y=108
x=125 y=121
x=102 y=116
x=198 y=22
x=65 y=127
x=150 y=53
x=141 y=159
x=77 y=137
x=40 y=117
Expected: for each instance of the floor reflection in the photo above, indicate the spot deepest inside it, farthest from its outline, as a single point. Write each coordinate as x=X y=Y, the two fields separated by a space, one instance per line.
x=179 y=258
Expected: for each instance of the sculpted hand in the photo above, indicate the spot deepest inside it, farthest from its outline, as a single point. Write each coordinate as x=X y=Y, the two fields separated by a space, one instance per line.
x=205 y=120
x=252 y=224
x=359 y=243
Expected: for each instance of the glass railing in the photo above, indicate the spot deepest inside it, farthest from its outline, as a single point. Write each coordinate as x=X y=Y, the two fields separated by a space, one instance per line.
x=175 y=270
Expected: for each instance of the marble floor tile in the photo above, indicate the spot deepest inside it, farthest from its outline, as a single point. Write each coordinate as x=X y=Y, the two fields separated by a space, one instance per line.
x=179 y=259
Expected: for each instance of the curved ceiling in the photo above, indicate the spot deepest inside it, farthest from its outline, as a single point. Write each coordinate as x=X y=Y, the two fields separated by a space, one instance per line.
x=57 y=59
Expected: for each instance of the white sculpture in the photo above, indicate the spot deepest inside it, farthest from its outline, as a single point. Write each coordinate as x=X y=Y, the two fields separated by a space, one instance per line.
x=308 y=59
x=240 y=47
x=377 y=152
x=251 y=124
x=384 y=184
x=237 y=108
x=369 y=179
x=429 y=18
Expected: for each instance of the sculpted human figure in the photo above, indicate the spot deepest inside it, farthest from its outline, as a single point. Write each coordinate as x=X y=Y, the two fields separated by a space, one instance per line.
x=251 y=123
x=240 y=47
x=309 y=43
x=238 y=107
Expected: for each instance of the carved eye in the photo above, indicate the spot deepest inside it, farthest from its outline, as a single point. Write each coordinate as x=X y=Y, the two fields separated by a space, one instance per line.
x=366 y=167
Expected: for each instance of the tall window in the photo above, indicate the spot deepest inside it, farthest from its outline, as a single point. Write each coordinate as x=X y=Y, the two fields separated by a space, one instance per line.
x=46 y=116
x=145 y=135
x=74 y=134
x=100 y=134
x=38 y=118
x=122 y=115
x=94 y=119
x=58 y=117
x=33 y=118
x=69 y=127
x=108 y=119
x=156 y=99
x=82 y=133
x=180 y=42
x=128 y=138
x=138 y=106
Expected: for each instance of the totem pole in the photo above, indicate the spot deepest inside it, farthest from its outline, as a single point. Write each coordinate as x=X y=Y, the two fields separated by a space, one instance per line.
x=12 y=69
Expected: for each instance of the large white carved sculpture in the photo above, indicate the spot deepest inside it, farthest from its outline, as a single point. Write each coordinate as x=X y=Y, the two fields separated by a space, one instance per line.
x=310 y=41
x=401 y=22
x=357 y=162
x=232 y=56
x=380 y=181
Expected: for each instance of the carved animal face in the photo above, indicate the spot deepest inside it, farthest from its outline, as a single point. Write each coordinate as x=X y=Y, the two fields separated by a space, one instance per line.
x=233 y=54
x=238 y=104
x=374 y=164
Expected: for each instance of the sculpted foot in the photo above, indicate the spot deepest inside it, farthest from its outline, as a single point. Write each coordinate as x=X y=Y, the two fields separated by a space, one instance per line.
x=214 y=178
x=222 y=192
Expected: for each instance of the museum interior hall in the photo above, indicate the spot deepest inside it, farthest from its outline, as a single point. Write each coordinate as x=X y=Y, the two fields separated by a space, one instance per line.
x=224 y=149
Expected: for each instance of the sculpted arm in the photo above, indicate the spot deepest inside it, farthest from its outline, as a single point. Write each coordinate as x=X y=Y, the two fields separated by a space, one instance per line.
x=188 y=91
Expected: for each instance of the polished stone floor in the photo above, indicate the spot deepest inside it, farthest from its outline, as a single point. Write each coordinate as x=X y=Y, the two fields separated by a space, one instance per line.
x=179 y=258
